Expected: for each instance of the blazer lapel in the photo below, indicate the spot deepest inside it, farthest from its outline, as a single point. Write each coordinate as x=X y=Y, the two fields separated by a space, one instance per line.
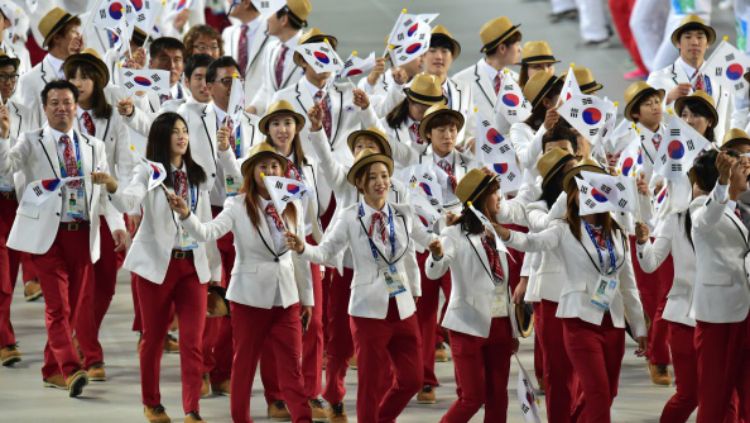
x=484 y=87
x=478 y=248
x=17 y=122
x=50 y=149
x=265 y=234
x=339 y=95
x=741 y=229
x=303 y=97
x=44 y=71
x=456 y=100
x=87 y=159
x=209 y=123
x=257 y=50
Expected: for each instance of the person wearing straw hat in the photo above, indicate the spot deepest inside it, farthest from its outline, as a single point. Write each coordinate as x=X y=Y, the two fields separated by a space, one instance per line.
x=381 y=237
x=97 y=118
x=270 y=307
x=280 y=70
x=585 y=78
x=133 y=57
x=536 y=56
x=482 y=333
x=719 y=235
x=643 y=106
x=666 y=52
x=594 y=250
x=698 y=111
x=17 y=25
x=345 y=107
x=402 y=122
x=438 y=60
x=693 y=37
x=172 y=267
x=62 y=37
x=386 y=87
x=501 y=47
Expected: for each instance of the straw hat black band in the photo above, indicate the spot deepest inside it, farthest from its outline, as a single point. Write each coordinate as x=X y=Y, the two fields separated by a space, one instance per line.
x=543 y=92
x=556 y=168
x=58 y=26
x=481 y=187
x=492 y=44
x=590 y=85
x=425 y=98
x=533 y=59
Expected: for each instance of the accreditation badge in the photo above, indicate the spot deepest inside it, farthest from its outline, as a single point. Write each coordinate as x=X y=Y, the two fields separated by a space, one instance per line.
x=394 y=282
x=232 y=185
x=604 y=292
x=76 y=202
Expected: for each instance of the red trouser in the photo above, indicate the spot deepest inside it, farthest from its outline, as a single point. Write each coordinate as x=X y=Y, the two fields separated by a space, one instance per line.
x=482 y=368
x=723 y=363
x=339 y=345
x=596 y=354
x=653 y=288
x=256 y=329
x=217 y=337
x=427 y=316
x=64 y=272
x=561 y=387
x=9 y=264
x=621 y=11
x=378 y=342
x=538 y=351
x=684 y=401
x=182 y=288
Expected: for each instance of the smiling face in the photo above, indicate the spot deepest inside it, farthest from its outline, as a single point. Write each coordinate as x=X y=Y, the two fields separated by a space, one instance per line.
x=60 y=109
x=8 y=79
x=281 y=130
x=268 y=166
x=179 y=139
x=492 y=203
x=693 y=45
x=374 y=182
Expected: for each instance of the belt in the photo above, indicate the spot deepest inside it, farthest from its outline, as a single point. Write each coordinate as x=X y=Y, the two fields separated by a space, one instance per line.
x=8 y=195
x=182 y=254
x=74 y=226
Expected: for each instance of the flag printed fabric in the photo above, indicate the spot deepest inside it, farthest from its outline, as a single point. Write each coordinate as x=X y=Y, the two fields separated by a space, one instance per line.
x=114 y=16
x=570 y=86
x=284 y=190
x=236 y=100
x=267 y=8
x=412 y=47
x=726 y=66
x=137 y=81
x=145 y=13
x=424 y=182
x=174 y=7
x=526 y=398
x=631 y=160
x=407 y=27
x=511 y=104
x=661 y=200
x=321 y=56
x=423 y=204
x=496 y=152
x=156 y=173
x=681 y=146
x=601 y=192
x=39 y=191
x=356 y=65
x=588 y=114
x=610 y=123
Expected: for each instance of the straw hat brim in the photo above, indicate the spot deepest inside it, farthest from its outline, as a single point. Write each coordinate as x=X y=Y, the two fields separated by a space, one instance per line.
x=424 y=99
x=539 y=60
x=680 y=104
x=265 y=121
x=494 y=43
x=385 y=146
x=360 y=164
x=425 y=123
x=735 y=142
x=58 y=27
x=649 y=91
x=591 y=87
x=524 y=318
x=710 y=32
x=556 y=168
x=570 y=175
x=480 y=188
x=543 y=92
x=248 y=163
x=88 y=58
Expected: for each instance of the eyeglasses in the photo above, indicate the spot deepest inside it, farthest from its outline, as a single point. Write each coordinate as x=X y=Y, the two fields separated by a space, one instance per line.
x=202 y=48
x=227 y=82
x=5 y=77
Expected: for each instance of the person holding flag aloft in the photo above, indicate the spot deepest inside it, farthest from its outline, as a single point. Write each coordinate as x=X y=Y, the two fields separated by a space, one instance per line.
x=481 y=331
x=271 y=306
x=597 y=294
x=536 y=56
x=385 y=87
x=385 y=286
x=171 y=265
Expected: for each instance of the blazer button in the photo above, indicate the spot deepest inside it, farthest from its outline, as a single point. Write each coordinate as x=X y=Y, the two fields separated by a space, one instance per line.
x=276 y=259
x=59 y=194
x=57 y=214
x=213 y=175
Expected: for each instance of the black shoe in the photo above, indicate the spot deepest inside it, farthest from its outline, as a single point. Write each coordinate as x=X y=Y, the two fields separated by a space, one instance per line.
x=194 y=415
x=338 y=409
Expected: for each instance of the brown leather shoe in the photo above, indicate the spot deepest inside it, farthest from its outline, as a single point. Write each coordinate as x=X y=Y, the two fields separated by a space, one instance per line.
x=156 y=414
x=426 y=395
x=205 y=387
x=441 y=354
x=10 y=355
x=32 y=290
x=76 y=382
x=56 y=381
x=660 y=374
x=96 y=373
x=318 y=411
x=223 y=388
x=193 y=417
x=171 y=345
x=277 y=411
x=336 y=413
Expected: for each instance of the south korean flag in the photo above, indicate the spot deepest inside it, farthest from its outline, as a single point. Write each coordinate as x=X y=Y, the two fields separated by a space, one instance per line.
x=496 y=152
x=679 y=149
x=511 y=105
x=588 y=115
x=321 y=56
x=601 y=192
x=426 y=192
x=139 y=81
x=727 y=66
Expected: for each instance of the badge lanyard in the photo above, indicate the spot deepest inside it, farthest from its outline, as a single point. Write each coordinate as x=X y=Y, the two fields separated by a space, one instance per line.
x=610 y=250
x=391 y=237
x=238 y=141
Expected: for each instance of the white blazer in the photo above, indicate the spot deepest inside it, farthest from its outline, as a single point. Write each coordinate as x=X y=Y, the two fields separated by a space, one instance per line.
x=473 y=289
x=31 y=84
x=549 y=272
x=259 y=270
x=291 y=74
x=116 y=137
x=151 y=251
x=385 y=94
x=461 y=100
x=202 y=127
x=401 y=135
x=35 y=156
x=21 y=121
x=256 y=65
x=483 y=93
x=369 y=297
x=583 y=275
x=528 y=145
x=722 y=294
x=670 y=237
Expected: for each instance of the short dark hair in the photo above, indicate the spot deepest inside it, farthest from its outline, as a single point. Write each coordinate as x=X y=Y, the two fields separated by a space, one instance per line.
x=165 y=43
x=636 y=109
x=9 y=61
x=59 y=84
x=196 y=61
x=516 y=37
x=442 y=119
x=560 y=132
x=221 y=62
x=294 y=21
x=441 y=41
x=704 y=172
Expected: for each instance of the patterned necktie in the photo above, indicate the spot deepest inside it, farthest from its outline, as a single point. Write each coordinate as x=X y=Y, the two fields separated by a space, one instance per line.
x=448 y=168
x=180 y=184
x=493 y=257
x=498 y=83
x=414 y=129
x=88 y=123
x=69 y=158
x=699 y=82
x=601 y=242
x=232 y=140
x=292 y=171
x=271 y=211
x=656 y=139
x=378 y=218
x=278 y=69
x=243 y=49
x=164 y=97
x=325 y=104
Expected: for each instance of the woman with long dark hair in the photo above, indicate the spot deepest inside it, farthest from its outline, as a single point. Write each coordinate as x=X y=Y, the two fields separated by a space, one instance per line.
x=536 y=57
x=699 y=111
x=172 y=267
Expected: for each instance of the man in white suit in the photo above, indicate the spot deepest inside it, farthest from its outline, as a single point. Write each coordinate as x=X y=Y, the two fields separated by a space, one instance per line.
x=247 y=41
x=62 y=236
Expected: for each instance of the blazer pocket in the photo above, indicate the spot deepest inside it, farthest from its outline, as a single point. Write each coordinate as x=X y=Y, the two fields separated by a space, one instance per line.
x=28 y=210
x=717 y=280
x=245 y=268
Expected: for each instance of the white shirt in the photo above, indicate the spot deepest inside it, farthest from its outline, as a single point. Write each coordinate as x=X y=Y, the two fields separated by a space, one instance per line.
x=383 y=246
x=291 y=44
x=689 y=70
x=67 y=193
x=312 y=89
x=490 y=71
x=220 y=115
x=448 y=196
x=57 y=66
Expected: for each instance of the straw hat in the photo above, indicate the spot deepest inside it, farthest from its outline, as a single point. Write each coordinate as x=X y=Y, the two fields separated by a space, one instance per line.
x=364 y=158
x=692 y=22
x=536 y=53
x=587 y=164
x=435 y=111
x=217 y=303
x=585 y=79
x=635 y=93
x=734 y=138
x=90 y=56
x=259 y=151
x=442 y=32
x=551 y=163
x=495 y=32
x=278 y=108
x=425 y=89
x=698 y=96
x=300 y=8
x=375 y=133
x=538 y=86
x=524 y=318
x=473 y=184
x=53 y=22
